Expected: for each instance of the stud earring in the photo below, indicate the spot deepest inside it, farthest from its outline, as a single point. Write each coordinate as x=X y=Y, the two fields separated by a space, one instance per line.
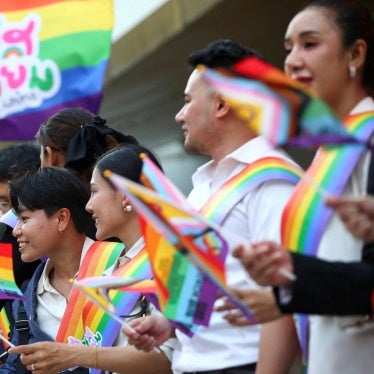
x=60 y=231
x=352 y=71
x=127 y=208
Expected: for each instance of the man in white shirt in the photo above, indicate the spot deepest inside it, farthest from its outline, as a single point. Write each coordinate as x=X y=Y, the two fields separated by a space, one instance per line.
x=212 y=128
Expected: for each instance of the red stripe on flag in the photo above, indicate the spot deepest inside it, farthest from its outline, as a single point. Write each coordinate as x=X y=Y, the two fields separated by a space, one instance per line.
x=16 y=5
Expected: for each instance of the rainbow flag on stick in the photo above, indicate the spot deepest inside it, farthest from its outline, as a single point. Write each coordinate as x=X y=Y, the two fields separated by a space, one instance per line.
x=97 y=288
x=273 y=105
x=54 y=55
x=191 y=235
x=186 y=281
x=8 y=286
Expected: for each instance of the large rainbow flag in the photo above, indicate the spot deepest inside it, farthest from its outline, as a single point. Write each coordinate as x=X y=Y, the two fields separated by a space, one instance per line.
x=54 y=54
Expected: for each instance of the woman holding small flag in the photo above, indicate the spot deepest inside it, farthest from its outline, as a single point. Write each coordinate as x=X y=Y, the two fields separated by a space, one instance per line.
x=52 y=220
x=105 y=347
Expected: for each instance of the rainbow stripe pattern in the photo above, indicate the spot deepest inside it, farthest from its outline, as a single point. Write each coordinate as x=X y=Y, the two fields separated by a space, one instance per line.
x=121 y=292
x=97 y=289
x=54 y=54
x=100 y=256
x=152 y=177
x=305 y=216
x=181 y=272
x=256 y=173
x=185 y=230
x=176 y=277
x=284 y=111
x=8 y=286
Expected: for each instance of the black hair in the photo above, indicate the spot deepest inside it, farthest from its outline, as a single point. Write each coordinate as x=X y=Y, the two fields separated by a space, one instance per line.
x=17 y=159
x=125 y=160
x=82 y=137
x=355 y=21
x=57 y=131
x=51 y=189
x=221 y=53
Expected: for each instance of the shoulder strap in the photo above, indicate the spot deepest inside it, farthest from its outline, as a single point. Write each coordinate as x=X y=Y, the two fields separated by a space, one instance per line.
x=253 y=175
x=96 y=321
x=100 y=256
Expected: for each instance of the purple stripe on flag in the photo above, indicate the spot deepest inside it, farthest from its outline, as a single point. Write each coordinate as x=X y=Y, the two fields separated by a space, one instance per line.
x=25 y=126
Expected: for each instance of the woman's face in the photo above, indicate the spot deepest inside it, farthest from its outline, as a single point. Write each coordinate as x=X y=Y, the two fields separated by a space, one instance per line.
x=105 y=204
x=37 y=235
x=315 y=55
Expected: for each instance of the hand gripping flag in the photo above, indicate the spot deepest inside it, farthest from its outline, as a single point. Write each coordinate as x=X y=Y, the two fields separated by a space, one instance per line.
x=54 y=55
x=273 y=105
x=191 y=235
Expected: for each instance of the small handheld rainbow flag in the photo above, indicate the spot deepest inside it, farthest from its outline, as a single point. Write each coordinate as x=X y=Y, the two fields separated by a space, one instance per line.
x=190 y=233
x=171 y=270
x=8 y=286
x=153 y=178
x=49 y=62
x=97 y=288
x=284 y=111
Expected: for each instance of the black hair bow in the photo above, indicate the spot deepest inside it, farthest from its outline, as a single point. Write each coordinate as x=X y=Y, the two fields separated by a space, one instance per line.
x=91 y=142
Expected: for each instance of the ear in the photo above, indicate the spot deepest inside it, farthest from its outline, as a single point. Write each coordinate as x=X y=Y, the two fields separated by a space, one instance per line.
x=357 y=54
x=222 y=107
x=54 y=157
x=63 y=216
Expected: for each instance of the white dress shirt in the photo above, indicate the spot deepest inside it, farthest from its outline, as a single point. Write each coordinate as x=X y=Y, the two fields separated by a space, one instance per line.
x=256 y=217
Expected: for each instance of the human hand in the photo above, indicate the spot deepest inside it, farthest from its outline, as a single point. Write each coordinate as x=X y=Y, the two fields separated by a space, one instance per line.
x=266 y=262
x=357 y=215
x=150 y=332
x=45 y=357
x=261 y=302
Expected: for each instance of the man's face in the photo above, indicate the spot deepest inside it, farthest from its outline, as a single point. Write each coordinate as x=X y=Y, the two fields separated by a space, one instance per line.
x=197 y=115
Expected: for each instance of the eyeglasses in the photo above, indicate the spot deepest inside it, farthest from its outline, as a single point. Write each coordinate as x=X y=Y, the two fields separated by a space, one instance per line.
x=143 y=309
